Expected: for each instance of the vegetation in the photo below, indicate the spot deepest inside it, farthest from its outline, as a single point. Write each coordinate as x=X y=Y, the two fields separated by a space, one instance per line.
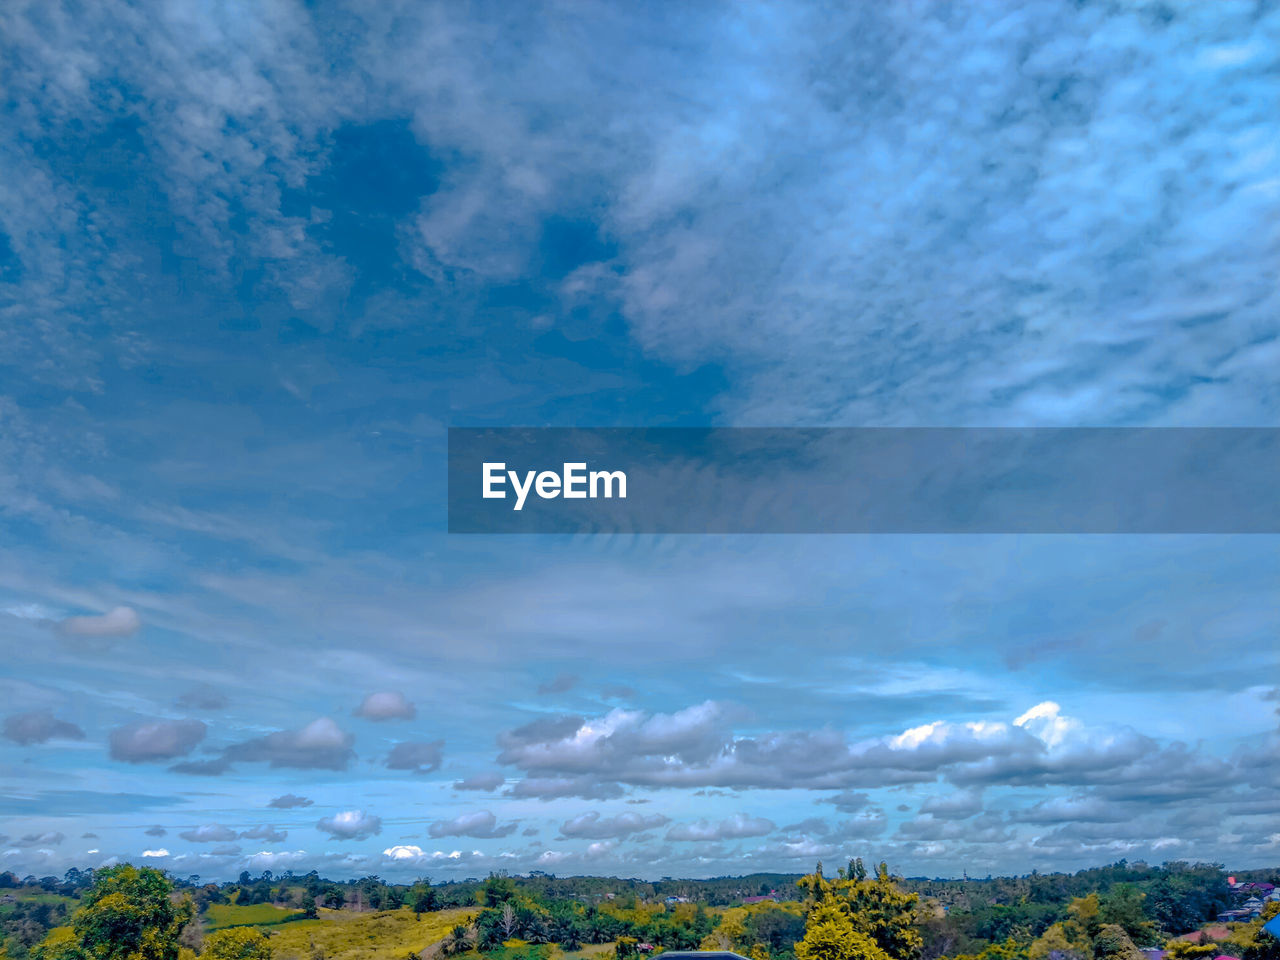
x=1109 y=913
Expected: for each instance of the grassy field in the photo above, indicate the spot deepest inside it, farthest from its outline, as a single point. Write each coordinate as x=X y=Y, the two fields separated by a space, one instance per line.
x=385 y=935
x=219 y=916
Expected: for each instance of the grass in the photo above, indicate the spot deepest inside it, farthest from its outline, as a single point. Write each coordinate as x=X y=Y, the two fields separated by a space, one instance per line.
x=385 y=935
x=219 y=916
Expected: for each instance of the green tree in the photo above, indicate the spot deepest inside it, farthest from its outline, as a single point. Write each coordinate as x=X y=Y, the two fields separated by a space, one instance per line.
x=829 y=935
x=1112 y=943
x=874 y=906
x=130 y=914
x=237 y=943
x=60 y=943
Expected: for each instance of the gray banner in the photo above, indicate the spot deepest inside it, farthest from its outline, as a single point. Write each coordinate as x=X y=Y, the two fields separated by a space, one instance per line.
x=864 y=480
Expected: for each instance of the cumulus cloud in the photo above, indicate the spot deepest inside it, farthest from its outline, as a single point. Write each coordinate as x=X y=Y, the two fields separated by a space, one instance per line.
x=386 y=706
x=158 y=854
x=117 y=622
x=695 y=748
x=39 y=726
x=351 y=825
x=736 y=827
x=320 y=745
x=484 y=782
x=156 y=831
x=288 y=801
x=482 y=825
x=273 y=859
x=209 y=833
x=420 y=757
x=155 y=740
x=592 y=826
x=265 y=832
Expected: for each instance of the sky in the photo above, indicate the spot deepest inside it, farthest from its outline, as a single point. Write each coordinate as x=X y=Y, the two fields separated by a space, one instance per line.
x=256 y=258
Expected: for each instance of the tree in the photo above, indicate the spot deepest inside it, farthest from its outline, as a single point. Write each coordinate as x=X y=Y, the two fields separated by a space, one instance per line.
x=237 y=943
x=874 y=908
x=129 y=914
x=61 y=943
x=309 y=906
x=829 y=935
x=1112 y=943
x=424 y=901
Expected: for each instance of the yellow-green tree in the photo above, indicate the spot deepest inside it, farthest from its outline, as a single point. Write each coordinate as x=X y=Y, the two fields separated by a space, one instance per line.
x=128 y=914
x=60 y=943
x=237 y=943
x=829 y=935
x=873 y=906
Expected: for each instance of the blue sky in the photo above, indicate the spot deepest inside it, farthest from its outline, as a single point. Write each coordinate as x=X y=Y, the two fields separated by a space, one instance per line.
x=254 y=259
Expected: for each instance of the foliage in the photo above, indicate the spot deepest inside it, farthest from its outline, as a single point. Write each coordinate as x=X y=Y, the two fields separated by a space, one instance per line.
x=237 y=943
x=129 y=914
x=830 y=935
x=875 y=907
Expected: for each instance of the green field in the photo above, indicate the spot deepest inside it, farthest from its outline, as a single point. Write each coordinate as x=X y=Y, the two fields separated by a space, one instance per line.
x=219 y=916
x=342 y=935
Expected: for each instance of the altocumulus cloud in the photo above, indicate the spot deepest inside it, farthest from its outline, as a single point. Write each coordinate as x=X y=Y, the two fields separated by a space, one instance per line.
x=156 y=740
x=265 y=832
x=481 y=825
x=118 y=622
x=39 y=726
x=737 y=827
x=288 y=801
x=320 y=745
x=209 y=833
x=418 y=756
x=351 y=825
x=386 y=706
x=592 y=826
x=484 y=782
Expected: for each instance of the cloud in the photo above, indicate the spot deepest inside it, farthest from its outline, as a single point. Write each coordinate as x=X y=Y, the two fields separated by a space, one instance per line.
x=39 y=726
x=351 y=825
x=847 y=801
x=485 y=782
x=209 y=833
x=156 y=740
x=481 y=825
x=50 y=839
x=288 y=801
x=954 y=806
x=561 y=683
x=557 y=788
x=273 y=859
x=203 y=697
x=230 y=850
x=117 y=622
x=736 y=827
x=157 y=854
x=420 y=757
x=265 y=832
x=696 y=748
x=386 y=706
x=320 y=745
x=591 y=825
x=156 y=831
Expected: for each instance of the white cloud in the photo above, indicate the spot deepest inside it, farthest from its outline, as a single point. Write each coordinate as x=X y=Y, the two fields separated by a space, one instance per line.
x=117 y=622
x=386 y=706
x=351 y=825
